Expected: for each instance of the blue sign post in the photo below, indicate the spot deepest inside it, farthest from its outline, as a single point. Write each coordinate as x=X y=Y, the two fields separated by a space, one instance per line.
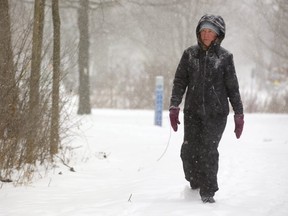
x=159 y=100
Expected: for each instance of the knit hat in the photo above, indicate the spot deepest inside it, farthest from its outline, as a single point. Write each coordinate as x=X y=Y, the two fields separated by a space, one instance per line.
x=209 y=25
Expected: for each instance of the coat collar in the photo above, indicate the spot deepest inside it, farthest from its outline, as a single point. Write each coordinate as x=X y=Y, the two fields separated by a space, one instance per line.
x=213 y=48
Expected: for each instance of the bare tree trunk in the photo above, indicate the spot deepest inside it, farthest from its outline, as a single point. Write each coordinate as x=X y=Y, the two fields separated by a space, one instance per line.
x=8 y=89
x=54 y=136
x=34 y=93
x=84 y=106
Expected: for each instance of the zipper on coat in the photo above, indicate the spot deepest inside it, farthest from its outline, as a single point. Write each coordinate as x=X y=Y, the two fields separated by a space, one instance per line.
x=204 y=75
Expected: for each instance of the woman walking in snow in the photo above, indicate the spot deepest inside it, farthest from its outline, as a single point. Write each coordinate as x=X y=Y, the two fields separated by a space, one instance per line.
x=207 y=74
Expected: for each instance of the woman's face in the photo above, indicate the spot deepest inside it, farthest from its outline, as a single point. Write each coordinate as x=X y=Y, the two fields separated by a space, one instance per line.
x=207 y=36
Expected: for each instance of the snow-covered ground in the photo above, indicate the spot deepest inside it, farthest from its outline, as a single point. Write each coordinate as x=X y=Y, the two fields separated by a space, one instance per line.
x=120 y=171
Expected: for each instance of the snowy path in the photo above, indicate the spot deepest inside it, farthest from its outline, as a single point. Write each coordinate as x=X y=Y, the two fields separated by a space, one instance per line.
x=130 y=181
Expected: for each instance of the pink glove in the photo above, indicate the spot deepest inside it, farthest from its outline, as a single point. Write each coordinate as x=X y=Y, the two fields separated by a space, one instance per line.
x=239 y=123
x=174 y=117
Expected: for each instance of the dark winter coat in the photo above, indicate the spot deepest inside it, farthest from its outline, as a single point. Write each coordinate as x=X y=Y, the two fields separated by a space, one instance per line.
x=208 y=77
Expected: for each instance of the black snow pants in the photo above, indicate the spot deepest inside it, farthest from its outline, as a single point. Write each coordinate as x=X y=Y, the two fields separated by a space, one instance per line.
x=199 y=151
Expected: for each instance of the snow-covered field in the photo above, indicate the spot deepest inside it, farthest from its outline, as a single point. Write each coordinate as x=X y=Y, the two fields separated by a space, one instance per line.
x=120 y=171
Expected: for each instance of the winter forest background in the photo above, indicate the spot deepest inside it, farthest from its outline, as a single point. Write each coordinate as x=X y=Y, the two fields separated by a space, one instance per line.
x=107 y=53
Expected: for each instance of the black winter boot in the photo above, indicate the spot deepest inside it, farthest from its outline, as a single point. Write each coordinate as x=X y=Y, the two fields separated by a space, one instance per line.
x=207 y=199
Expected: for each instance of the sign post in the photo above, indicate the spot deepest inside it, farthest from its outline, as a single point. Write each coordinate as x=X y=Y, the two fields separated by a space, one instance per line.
x=159 y=100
